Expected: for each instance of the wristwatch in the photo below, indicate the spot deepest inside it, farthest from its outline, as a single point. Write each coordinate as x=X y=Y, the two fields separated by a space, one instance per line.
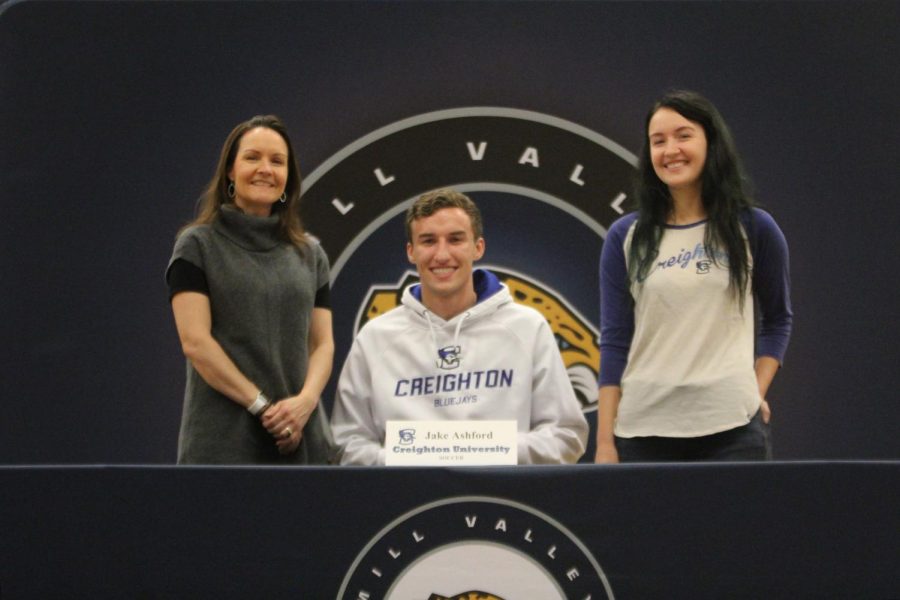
x=259 y=405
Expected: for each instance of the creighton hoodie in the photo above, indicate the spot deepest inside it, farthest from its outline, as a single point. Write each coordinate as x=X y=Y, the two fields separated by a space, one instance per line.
x=495 y=361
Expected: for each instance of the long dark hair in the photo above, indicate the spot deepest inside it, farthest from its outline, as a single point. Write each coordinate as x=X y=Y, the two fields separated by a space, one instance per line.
x=216 y=193
x=725 y=194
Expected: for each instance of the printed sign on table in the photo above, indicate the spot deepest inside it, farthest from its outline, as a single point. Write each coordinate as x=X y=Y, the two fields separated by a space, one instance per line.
x=450 y=443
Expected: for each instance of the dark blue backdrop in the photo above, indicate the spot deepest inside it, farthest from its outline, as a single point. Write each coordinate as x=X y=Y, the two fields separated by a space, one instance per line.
x=112 y=114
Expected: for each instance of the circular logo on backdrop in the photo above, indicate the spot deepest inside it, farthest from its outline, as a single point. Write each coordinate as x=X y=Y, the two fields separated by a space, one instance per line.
x=548 y=189
x=498 y=550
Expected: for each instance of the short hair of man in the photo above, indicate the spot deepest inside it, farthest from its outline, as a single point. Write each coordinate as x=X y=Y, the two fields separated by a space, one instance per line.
x=431 y=202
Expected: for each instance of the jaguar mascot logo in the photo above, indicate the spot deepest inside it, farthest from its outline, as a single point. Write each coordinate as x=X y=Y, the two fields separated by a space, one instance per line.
x=576 y=338
x=548 y=189
x=466 y=596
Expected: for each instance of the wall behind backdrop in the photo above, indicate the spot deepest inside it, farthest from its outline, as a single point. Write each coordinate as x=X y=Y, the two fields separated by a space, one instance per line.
x=112 y=115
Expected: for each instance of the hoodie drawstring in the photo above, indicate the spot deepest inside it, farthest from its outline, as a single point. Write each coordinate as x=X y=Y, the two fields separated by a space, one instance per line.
x=433 y=337
x=456 y=334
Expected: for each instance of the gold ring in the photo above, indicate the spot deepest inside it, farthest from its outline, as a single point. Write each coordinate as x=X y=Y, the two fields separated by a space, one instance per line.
x=287 y=432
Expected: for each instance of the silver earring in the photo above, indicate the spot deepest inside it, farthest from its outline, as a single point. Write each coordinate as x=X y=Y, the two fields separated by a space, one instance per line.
x=283 y=197
x=231 y=189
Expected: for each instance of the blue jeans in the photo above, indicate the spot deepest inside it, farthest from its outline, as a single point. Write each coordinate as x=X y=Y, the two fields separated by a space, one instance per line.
x=748 y=442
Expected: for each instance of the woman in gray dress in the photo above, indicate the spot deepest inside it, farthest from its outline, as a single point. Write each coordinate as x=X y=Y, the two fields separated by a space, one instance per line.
x=249 y=289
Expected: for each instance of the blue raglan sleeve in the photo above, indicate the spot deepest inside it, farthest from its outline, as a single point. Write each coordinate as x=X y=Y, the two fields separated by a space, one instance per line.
x=771 y=285
x=616 y=306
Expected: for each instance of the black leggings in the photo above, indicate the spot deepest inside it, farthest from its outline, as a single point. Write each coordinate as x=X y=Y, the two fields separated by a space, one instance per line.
x=748 y=442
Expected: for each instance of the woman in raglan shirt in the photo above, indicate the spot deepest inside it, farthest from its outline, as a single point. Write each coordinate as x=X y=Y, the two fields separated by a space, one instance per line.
x=684 y=374
x=250 y=293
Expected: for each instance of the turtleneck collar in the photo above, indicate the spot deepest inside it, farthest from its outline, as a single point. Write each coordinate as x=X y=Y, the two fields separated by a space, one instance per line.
x=248 y=231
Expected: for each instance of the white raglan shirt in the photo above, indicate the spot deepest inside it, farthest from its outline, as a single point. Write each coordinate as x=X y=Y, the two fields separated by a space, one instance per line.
x=690 y=366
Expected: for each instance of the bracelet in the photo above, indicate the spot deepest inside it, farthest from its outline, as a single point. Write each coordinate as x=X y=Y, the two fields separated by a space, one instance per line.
x=259 y=405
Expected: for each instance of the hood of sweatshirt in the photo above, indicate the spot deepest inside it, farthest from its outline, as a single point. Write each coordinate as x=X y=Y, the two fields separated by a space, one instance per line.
x=490 y=294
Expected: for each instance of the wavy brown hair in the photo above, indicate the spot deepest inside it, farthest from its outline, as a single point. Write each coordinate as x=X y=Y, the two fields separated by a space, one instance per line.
x=216 y=193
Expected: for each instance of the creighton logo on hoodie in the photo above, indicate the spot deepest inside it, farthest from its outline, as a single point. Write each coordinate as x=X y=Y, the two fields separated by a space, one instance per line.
x=448 y=357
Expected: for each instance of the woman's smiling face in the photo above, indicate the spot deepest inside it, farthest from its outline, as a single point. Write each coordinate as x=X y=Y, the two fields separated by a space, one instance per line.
x=260 y=171
x=677 y=149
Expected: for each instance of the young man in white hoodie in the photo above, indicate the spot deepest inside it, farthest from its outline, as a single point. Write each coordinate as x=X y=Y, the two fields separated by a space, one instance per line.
x=457 y=348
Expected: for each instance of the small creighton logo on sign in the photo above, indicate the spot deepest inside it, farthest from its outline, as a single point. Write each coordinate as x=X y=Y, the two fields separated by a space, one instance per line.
x=475 y=547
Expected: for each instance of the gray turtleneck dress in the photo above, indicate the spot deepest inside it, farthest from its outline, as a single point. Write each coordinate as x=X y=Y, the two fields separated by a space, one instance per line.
x=261 y=294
